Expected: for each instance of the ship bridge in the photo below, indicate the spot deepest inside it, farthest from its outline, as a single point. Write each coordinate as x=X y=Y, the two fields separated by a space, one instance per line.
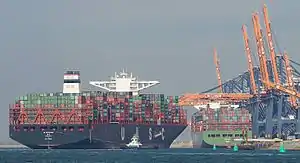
x=124 y=82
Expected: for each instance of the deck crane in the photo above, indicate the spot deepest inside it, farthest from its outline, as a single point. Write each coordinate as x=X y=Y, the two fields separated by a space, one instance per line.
x=270 y=44
x=250 y=64
x=260 y=50
x=217 y=64
x=289 y=77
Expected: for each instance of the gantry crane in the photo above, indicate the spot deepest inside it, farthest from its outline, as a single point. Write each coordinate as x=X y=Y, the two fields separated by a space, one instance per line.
x=196 y=99
x=220 y=97
x=260 y=49
x=289 y=77
x=282 y=88
x=270 y=44
x=217 y=64
x=265 y=78
x=250 y=64
x=205 y=98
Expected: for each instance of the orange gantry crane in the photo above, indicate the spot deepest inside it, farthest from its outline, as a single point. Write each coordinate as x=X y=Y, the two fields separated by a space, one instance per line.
x=263 y=64
x=196 y=99
x=270 y=44
x=250 y=63
x=217 y=64
x=283 y=89
x=260 y=50
x=291 y=89
x=206 y=98
x=289 y=78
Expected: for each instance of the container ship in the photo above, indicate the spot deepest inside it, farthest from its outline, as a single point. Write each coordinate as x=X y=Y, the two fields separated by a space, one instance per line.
x=108 y=119
x=218 y=124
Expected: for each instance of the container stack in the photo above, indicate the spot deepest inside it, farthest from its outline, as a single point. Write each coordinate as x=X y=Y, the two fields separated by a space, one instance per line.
x=221 y=119
x=99 y=107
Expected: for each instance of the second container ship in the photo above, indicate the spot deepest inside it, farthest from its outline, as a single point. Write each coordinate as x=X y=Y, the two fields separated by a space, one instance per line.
x=218 y=125
x=97 y=120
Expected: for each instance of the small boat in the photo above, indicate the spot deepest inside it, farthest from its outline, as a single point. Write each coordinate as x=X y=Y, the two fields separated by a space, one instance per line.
x=135 y=143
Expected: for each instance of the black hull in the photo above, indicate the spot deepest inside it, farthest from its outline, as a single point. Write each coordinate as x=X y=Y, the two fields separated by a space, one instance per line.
x=101 y=136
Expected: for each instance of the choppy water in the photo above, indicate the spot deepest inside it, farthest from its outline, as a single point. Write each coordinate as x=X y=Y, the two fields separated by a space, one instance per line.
x=146 y=156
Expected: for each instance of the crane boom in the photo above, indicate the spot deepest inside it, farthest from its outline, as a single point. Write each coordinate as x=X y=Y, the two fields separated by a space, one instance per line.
x=197 y=99
x=260 y=51
x=217 y=96
x=290 y=81
x=283 y=89
x=217 y=64
x=270 y=44
x=250 y=64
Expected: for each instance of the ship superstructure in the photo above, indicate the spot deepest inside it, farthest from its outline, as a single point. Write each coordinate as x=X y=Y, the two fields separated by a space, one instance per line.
x=72 y=82
x=124 y=82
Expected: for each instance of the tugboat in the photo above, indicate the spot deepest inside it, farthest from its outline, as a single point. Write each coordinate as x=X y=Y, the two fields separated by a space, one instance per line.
x=134 y=144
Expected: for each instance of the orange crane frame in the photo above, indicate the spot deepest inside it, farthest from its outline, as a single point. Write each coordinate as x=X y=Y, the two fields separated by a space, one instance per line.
x=263 y=62
x=289 y=78
x=217 y=64
x=270 y=44
x=206 y=98
x=260 y=49
x=194 y=99
x=283 y=89
x=197 y=99
x=250 y=64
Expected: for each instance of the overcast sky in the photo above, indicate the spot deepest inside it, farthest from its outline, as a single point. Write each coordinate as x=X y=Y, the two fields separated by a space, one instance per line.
x=170 y=41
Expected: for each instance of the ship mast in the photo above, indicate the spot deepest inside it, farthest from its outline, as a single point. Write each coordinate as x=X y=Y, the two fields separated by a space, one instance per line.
x=124 y=82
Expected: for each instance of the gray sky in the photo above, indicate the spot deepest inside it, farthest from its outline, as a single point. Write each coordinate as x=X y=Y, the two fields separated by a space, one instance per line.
x=170 y=41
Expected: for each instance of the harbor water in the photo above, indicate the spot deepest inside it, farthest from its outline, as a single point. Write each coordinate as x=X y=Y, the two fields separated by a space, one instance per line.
x=147 y=156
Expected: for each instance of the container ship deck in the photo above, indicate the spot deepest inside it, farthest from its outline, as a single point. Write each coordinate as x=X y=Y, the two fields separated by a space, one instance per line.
x=96 y=120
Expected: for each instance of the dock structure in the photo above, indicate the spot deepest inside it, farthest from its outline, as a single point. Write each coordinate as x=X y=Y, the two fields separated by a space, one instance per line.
x=274 y=84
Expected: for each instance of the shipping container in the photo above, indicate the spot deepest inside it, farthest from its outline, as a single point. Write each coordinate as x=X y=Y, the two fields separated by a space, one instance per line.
x=221 y=119
x=100 y=107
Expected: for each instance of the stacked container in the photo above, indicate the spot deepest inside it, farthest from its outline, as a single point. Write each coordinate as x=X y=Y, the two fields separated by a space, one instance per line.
x=221 y=119
x=98 y=107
